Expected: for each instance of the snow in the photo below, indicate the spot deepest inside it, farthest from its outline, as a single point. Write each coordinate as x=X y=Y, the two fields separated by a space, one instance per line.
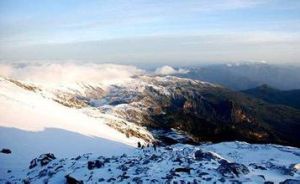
x=31 y=124
x=163 y=165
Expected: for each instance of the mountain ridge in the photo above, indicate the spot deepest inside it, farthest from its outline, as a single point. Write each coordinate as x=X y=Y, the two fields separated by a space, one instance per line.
x=275 y=96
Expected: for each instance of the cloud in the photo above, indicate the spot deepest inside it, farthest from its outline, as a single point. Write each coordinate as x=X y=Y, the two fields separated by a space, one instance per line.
x=69 y=73
x=168 y=70
x=169 y=49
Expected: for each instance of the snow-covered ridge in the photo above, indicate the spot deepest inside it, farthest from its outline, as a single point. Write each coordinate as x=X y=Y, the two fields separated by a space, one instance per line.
x=229 y=162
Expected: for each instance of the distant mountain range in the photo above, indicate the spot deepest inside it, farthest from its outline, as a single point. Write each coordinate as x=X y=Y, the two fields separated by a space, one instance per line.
x=242 y=76
x=275 y=96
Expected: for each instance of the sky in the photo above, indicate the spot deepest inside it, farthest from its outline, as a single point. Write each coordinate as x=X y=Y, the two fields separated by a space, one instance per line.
x=172 y=32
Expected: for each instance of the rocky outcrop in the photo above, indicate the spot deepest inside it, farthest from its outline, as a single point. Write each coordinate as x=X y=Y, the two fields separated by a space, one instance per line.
x=42 y=160
x=200 y=155
x=96 y=164
x=171 y=164
x=232 y=169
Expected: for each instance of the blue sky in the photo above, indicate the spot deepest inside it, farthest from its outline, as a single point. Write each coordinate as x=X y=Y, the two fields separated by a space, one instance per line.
x=150 y=31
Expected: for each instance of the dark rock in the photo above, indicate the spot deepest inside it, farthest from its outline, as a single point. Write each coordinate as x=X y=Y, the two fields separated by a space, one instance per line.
x=202 y=174
x=43 y=159
x=268 y=182
x=154 y=181
x=256 y=166
x=123 y=167
x=43 y=173
x=59 y=167
x=77 y=158
x=95 y=164
x=290 y=181
x=207 y=179
x=222 y=180
x=46 y=158
x=51 y=173
x=106 y=160
x=72 y=180
x=141 y=170
x=137 y=180
x=6 y=151
x=178 y=160
x=262 y=176
x=282 y=169
x=183 y=169
x=230 y=169
x=123 y=156
x=101 y=179
x=200 y=155
x=111 y=180
x=146 y=162
x=33 y=163
x=26 y=181
x=236 y=182
x=154 y=157
x=123 y=176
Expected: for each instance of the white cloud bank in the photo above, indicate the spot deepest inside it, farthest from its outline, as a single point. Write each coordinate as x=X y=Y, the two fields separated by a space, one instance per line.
x=168 y=70
x=69 y=73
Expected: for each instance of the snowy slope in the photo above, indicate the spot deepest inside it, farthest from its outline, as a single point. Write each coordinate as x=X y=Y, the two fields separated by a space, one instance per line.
x=31 y=124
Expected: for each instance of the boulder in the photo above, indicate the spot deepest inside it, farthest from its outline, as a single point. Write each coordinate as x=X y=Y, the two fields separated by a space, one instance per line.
x=200 y=155
x=72 y=180
x=268 y=182
x=290 y=181
x=43 y=160
x=183 y=169
x=46 y=158
x=96 y=164
x=6 y=151
x=232 y=169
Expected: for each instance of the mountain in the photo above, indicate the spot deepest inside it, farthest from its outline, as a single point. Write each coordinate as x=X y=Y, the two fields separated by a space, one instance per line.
x=242 y=76
x=109 y=119
x=275 y=96
x=201 y=110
